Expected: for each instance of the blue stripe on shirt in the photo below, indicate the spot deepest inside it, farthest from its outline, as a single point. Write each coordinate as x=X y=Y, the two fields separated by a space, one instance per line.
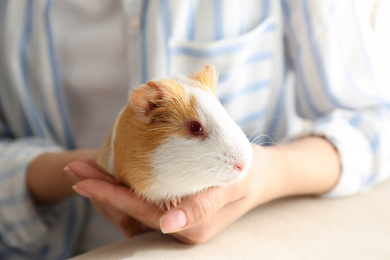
x=7 y=253
x=274 y=124
x=318 y=59
x=260 y=57
x=12 y=172
x=361 y=42
x=19 y=225
x=70 y=228
x=371 y=180
x=4 y=5
x=218 y=50
x=265 y=9
x=16 y=199
x=218 y=19
x=56 y=78
x=23 y=58
x=4 y=254
x=251 y=117
x=241 y=28
x=298 y=62
x=375 y=141
x=209 y=53
x=166 y=25
x=271 y=28
x=27 y=128
x=191 y=20
x=355 y=120
x=246 y=90
x=31 y=146
x=5 y=131
x=144 y=56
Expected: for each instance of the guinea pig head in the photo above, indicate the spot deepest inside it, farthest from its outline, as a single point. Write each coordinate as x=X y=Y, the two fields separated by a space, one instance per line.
x=174 y=138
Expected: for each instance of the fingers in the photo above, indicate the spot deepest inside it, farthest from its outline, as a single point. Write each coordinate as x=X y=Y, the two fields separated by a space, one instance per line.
x=121 y=198
x=126 y=224
x=95 y=165
x=88 y=169
x=213 y=225
x=195 y=220
x=198 y=208
x=113 y=200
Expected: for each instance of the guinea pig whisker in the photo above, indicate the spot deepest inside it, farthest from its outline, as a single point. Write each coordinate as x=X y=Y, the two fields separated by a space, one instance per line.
x=205 y=155
x=159 y=128
x=270 y=143
x=266 y=142
x=258 y=137
x=205 y=176
x=262 y=124
x=216 y=173
x=216 y=177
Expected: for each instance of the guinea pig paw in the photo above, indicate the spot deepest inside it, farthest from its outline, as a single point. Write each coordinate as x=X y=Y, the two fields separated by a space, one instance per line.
x=172 y=203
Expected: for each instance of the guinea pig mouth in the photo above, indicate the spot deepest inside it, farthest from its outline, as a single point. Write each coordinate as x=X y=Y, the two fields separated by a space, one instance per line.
x=234 y=175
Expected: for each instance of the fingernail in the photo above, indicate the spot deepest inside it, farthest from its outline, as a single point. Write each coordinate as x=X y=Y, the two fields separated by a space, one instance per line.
x=81 y=192
x=173 y=221
x=71 y=174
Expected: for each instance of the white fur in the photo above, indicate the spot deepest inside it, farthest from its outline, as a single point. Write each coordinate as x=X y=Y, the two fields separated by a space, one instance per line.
x=184 y=166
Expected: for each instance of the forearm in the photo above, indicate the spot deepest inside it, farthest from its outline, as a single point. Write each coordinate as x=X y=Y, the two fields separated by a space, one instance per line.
x=310 y=165
x=46 y=179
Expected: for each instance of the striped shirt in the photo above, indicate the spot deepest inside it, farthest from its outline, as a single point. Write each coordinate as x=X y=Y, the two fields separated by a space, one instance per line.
x=287 y=68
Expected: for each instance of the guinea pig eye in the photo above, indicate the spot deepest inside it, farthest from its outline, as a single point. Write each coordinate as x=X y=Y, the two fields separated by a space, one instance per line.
x=195 y=128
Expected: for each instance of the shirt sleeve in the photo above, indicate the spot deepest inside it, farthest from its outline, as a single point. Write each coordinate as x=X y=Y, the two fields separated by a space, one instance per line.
x=27 y=231
x=30 y=125
x=20 y=223
x=336 y=53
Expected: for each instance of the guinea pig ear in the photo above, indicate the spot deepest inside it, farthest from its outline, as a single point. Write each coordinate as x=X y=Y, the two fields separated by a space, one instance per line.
x=143 y=100
x=208 y=76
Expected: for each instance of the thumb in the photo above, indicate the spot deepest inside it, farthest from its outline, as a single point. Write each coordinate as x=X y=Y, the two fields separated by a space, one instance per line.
x=195 y=209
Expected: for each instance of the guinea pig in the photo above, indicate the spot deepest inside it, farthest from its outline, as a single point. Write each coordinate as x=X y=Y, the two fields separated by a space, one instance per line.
x=174 y=138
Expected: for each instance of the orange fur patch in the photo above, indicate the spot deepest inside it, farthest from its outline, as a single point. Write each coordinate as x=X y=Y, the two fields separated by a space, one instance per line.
x=207 y=77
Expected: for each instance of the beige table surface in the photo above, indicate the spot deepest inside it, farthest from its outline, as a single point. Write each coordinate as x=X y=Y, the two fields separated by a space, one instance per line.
x=357 y=227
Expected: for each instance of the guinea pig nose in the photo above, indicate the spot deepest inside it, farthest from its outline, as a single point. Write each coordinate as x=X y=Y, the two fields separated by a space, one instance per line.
x=239 y=166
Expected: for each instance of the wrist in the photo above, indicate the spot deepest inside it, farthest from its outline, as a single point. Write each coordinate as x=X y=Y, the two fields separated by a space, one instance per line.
x=277 y=172
x=266 y=177
x=308 y=166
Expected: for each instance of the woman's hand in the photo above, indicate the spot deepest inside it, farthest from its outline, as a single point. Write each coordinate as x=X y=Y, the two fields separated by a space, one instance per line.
x=195 y=220
x=295 y=168
x=109 y=197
